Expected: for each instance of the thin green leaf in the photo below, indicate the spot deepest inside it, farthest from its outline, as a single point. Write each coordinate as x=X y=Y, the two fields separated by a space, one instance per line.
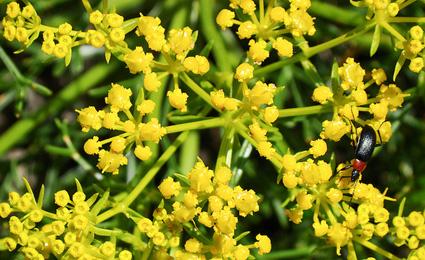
x=376 y=39
x=242 y=235
x=40 y=197
x=28 y=187
x=100 y=204
x=189 y=151
x=78 y=184
x=335 y=81
x=92 y=199
x=399 y=65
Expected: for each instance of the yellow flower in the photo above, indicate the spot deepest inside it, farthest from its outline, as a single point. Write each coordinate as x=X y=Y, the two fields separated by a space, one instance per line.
x=225 y=221
x=415 y=219
x=143 y=152
x=284 y=47
x=125 y=255
x=248 y=6
x=118 y=144
x=62 y=198
x=351 y=74
x=263 y=244
x=91 y=146
x=322 y=94
x=334 y=195
x=178 y=99
x=13 y=10
x=137 y=61
x=304 y=200
x=339 y=236
x=290 y=180
x=169 y=188
x=258 y=133
x=80 y=222
x=65 y=28
x=416 y=64
x=10 y=243
x=181 y=41
x=118 y=98
x=416 y=32
x=244 y=72
x=110 y=161
x=225 y=18
x=114 y=20
x=246 y=30
x=334 y=130
x=222 y=175
x=193 y=246
x=151 y=28
x=146 y=107
x=246 y=202
x=266 y=149
x=260 y=94
x=200 y=178
x=198 y=64
x=118 y=35
x=151 y=131
x=107 y=249
x=95 y=17
x=271 y=114
x=360 y=96
x=381 y=229
x=393 y=9
x=379 y=76
x=392 y=94
x=241 y=252
x=318 y=148
x=5 y=210
x=379 y=110
x=258 y=51
x=278 y=14
x=9 y=32
x=151 y=82
x=301 y=23
x=320 y=229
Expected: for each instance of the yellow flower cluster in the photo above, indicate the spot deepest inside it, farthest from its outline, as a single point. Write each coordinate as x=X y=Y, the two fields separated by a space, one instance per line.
x=67 y=234
x=110 y=30
x=413 y=49
x=21 y=24
x=350 y=99
x=206 y=200
x=134 y=130
x=410 y=231
x=269 y=26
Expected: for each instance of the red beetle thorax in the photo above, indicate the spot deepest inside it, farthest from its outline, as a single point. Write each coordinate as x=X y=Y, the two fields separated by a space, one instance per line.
x=359 y=165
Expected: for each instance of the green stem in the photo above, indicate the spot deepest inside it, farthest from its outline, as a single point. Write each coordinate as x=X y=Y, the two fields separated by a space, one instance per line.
x=298 y=253
x=21 y=129
x=195 y=88
x=336 y=14
x=226 y=148
x=302 y=111
x=406 y=19
x=209 y=30
x=203 y=124
x=375 y=248
x=120 y=207
x=10 y=65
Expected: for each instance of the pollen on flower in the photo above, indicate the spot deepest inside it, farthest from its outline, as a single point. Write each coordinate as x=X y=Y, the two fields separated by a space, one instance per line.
x=246 y=30
x=322 y=94
x=258 y=51
x=169 y=188
x=258 y=133
x=260 y=94
x=318 y=148
x=138 y=61
x=178 y=99
x=146 y=107
x=263 y=244
x=225 y=18
x=271 y=114
x=320 y=228
x=198 y=64
x=244 y=72
x=119 y=98
x=181 y=41
x=151 y=131
x=334 y=130
x=351 y=74
x=110 y=161
x=284 y=47
x=151 y=82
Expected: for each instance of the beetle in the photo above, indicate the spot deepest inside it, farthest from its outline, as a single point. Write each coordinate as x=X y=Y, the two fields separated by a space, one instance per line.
x=364 y=149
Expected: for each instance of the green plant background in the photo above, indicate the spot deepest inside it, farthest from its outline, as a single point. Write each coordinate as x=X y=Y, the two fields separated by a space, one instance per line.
x=32 y=145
